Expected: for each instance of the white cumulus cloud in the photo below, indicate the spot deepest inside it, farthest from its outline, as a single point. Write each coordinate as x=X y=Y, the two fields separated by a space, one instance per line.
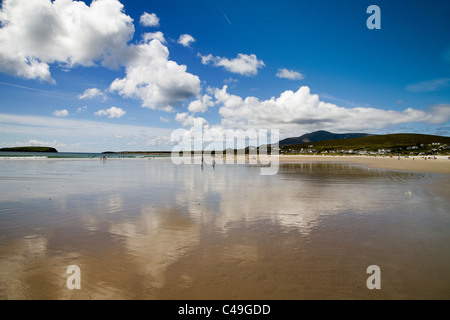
x=187 y=119
x=243 y=64
x=302 y=110
x=149 y=20
x=201 y=105
x=61 y=113
x=92 y=93
x=111 y=113
x=154 y=79
x=37 y=33
x=289 y=74
x=158 y=35
x=186 y=40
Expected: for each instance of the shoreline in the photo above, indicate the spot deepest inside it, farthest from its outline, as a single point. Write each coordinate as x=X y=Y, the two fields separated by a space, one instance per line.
x=432 y=164
x=428 y=164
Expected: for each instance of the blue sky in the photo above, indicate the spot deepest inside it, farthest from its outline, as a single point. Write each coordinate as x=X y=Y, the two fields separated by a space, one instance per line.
x=119 y=75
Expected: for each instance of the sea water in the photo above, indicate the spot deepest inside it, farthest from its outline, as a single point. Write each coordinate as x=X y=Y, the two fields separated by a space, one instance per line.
x=10 y=155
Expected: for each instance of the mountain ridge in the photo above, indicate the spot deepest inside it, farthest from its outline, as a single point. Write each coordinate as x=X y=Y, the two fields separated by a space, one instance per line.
x=320 y=135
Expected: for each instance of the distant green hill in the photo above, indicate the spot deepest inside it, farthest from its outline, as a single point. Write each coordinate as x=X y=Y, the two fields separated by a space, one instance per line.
x=400 y=142
x=29 y=149
x=320 y=136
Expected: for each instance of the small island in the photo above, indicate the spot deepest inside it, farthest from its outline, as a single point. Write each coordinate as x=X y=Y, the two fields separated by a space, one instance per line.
x=29 y=149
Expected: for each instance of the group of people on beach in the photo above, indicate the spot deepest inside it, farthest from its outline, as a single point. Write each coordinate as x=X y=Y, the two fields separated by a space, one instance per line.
x=434 y=157
x=213 y=161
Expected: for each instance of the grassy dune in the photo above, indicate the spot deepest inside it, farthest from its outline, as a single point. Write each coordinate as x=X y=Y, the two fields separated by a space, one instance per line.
x=395 y=142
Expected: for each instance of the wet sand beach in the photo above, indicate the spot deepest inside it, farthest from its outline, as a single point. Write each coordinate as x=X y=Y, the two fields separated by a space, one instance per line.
x=439 y=164
x=149 y=229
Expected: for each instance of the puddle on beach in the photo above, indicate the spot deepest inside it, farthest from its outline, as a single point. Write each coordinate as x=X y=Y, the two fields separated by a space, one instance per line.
x=148 y=229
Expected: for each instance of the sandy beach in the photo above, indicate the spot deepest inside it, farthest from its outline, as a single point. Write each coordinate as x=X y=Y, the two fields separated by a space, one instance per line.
x=413 y=164
x=149 y=229
x=431 y=164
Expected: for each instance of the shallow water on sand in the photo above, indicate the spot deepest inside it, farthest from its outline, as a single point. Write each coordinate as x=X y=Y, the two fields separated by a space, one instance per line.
x=148 y=229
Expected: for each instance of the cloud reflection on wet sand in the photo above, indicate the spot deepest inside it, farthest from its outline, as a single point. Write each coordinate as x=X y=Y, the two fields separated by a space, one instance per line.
x=152 y=230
